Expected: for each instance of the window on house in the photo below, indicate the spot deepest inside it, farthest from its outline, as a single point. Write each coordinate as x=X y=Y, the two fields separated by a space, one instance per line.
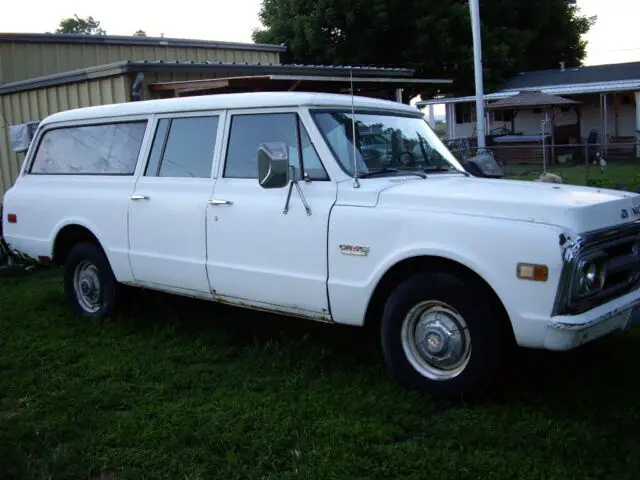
x=106 y=149
x=503 y=116
x=465 y=113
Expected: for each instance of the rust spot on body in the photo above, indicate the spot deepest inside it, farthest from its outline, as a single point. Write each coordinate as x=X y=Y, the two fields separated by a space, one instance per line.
x=235 y=302
x=48 y=261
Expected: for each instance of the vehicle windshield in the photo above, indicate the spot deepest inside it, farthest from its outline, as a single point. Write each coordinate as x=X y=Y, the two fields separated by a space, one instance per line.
x=385 y=142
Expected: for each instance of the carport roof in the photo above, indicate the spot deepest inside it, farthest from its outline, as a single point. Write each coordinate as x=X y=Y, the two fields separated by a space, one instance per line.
x=530 y=100
x=328 y=84
x=128 y=40
x=127 y=66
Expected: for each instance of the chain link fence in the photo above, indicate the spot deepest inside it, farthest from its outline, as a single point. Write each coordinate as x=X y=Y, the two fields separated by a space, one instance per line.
x=609 y=165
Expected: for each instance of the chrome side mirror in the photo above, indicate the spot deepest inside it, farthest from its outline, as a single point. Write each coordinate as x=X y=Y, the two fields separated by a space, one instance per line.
x=273 y=165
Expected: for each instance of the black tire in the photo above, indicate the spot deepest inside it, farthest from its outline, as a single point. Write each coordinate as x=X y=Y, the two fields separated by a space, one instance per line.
x=92 y=255
x=485 y=326
x=4 y=251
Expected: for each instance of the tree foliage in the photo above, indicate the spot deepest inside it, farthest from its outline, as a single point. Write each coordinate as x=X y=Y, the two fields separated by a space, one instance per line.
x=140 y=33
x=431 y=36
x=80 y=26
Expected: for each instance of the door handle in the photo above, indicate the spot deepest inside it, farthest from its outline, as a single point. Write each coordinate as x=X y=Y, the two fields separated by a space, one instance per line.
x=220 y=202
x=138 y=197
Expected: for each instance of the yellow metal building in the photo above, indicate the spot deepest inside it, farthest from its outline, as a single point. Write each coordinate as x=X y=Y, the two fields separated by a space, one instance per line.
x=24 y=56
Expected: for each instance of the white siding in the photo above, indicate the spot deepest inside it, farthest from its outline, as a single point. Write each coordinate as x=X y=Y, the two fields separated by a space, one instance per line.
x=621 y=119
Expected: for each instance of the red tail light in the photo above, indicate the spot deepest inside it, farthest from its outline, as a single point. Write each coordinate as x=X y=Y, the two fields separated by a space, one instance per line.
x=12 y=218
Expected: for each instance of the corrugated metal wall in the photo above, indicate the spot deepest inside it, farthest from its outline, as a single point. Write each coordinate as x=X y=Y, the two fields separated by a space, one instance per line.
x=19 y=61
x=37 y=104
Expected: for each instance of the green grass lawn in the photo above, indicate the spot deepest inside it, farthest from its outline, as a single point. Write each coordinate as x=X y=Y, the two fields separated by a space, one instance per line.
x=627 y=173
x=181 y=389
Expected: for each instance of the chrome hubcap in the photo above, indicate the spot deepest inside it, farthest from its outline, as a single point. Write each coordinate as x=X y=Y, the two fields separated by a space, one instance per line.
x=86 y=285
x=436 y=340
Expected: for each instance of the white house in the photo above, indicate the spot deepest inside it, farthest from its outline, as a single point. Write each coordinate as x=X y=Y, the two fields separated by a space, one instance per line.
x=607 y=112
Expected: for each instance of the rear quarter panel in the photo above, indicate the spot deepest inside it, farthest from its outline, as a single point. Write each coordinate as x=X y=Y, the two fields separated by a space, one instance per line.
x=44 y=204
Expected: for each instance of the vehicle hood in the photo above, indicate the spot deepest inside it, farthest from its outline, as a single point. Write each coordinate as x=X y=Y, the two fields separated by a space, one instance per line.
x=579 y=208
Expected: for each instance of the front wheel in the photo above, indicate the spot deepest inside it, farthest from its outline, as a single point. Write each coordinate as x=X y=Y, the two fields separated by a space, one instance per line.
x=440 y=335
x=89 y=283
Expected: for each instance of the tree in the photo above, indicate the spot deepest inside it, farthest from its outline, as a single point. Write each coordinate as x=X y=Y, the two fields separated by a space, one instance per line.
x=431 y=36
x=80 y=26
x=140 y=33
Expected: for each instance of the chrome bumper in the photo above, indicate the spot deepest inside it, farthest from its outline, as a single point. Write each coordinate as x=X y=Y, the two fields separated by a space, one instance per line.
x=565 y=332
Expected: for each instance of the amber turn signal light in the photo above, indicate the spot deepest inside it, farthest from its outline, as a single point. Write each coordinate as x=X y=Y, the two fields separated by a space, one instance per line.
x=528 y=271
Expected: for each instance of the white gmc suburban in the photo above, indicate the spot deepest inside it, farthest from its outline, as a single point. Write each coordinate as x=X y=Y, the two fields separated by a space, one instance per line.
x=266 y=201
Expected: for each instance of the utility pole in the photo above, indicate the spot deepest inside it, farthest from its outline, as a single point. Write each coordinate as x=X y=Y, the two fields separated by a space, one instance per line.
x=477 y=68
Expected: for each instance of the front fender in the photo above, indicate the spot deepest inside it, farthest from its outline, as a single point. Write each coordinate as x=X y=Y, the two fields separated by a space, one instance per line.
x=490 y=247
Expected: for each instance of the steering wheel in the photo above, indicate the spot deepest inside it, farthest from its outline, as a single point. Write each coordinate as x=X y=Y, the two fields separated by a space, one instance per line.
x=408 y=163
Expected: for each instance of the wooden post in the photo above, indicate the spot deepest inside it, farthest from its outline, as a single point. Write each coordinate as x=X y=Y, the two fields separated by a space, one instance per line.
x=552 y=160
x=638 y=125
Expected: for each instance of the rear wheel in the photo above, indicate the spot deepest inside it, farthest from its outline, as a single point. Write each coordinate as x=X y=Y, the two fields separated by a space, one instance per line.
x=440 y=335
x=90 y=285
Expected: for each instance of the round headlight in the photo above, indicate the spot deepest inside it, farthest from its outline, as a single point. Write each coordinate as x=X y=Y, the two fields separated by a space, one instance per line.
x=591 y=275
x=594 y=274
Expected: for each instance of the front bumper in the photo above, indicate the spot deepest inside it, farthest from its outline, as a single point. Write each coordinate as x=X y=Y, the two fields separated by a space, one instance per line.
x=565 y=332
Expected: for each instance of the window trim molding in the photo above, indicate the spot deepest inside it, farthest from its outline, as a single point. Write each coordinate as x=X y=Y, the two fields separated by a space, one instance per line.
x=146 y=119
x=295 y=111
x=300 y=123
x=220 y=114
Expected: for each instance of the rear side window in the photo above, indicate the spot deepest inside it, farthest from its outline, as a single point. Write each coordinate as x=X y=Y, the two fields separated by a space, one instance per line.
x=108 y=149
x=183 y=147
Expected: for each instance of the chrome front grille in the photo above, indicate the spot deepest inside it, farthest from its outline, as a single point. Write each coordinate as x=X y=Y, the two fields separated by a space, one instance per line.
x=621 y=246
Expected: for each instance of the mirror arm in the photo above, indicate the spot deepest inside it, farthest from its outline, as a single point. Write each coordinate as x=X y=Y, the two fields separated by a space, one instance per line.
x=286 y=205
x=304 y=201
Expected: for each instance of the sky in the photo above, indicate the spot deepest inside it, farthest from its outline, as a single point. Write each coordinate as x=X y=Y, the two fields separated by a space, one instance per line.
x=613 y=39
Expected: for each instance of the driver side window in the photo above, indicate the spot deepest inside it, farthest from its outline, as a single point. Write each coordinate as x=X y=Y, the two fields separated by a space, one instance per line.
x=249 y=131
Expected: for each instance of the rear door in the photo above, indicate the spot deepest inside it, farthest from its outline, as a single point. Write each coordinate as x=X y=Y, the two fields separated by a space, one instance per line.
x=168 y=209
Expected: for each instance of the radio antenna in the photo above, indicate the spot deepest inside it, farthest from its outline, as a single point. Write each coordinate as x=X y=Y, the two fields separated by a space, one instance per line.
x=356 y=183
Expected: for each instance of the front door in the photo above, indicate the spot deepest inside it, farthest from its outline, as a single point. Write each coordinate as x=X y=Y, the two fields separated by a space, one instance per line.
x=167 y=211
x=257 y=254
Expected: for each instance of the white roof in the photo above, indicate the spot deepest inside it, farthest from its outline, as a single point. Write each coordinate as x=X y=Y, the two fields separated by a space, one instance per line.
x=227 y=100
x=568 y=89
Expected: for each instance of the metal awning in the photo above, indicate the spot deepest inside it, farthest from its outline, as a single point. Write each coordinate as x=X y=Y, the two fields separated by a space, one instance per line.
x=534 y=99
x=382 y=86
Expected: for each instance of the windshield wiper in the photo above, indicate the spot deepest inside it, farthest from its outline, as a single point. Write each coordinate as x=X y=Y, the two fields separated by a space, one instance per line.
x=382 y=171
x=442 y=169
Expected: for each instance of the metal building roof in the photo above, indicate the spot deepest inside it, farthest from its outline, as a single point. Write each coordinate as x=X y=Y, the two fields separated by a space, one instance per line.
x=135 y=40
